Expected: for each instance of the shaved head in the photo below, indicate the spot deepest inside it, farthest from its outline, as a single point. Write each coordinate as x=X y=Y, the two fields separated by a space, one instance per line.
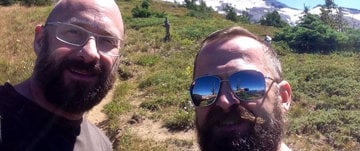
x=72 y=77
x=94 y=12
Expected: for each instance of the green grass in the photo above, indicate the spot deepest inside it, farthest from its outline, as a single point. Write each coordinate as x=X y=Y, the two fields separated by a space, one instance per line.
x=155 y=77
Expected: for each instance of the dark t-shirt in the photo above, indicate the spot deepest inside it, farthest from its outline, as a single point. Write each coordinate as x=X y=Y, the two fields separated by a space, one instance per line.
x=27 y=126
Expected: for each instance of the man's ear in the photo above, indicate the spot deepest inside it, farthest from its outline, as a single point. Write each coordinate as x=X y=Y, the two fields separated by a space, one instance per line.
x=39 y=38
x=285 y=94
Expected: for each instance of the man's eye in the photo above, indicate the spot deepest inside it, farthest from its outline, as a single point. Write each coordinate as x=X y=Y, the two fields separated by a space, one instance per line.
x=108 y=41
x=72 y=32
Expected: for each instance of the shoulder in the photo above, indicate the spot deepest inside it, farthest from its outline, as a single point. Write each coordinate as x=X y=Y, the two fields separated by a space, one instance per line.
x=5 y=88
x=9 y=98
x=92 y=138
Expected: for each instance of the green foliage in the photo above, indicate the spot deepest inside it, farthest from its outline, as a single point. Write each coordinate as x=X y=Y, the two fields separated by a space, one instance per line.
x=7 y=2
x=119 y=104
x=147 y=60
x=325 y=88
x=326 y=97
x=273 y=19
x=163 y=82
x=198 y=31
x=128 y=141
x=145 y=4
x=312 y=35
x=281 y=48
x=157 y=104
x=245 y=17
x=198 y=11
x=26 y=2
x=353 y=42
x=36 y=2
x=143 y=11
x=232 y=15
x=180 y=121
x=333 y=16
x=137 y=23
x=331 y=123
x=138 y=12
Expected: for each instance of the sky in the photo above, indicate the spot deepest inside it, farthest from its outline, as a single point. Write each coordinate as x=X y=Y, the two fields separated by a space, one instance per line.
x=299 y=4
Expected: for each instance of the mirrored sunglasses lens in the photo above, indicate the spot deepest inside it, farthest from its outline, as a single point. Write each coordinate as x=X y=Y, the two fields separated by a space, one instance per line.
x=71 y=34
x=248 y=85
x=205 y=90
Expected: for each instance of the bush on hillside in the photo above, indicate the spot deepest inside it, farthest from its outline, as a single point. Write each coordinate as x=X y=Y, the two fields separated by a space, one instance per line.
x=231 y=14
x=7 y=2
x=273 y=19
x=312 y=35
x=353 y=42
x=198 y=11
x=142 y=11
x=36 y=2
x=138 y=12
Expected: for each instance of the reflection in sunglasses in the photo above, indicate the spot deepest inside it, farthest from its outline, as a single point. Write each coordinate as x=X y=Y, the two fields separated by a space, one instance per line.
x=247 y=85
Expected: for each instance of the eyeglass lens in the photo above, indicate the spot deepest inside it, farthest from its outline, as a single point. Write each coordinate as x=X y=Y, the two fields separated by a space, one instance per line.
x=247 y=85
x=77 y=36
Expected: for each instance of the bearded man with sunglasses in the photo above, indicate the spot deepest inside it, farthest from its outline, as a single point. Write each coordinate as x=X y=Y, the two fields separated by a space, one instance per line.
x=77 y=56
x=239 y=95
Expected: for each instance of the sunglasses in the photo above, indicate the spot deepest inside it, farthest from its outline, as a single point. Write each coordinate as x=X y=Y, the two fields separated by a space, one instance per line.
x=247 y=85
x=77 y=36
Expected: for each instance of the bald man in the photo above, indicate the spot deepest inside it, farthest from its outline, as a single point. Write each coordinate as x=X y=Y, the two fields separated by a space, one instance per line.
x=77 y=55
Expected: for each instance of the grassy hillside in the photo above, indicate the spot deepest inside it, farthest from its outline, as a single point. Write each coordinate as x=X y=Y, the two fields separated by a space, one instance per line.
x=151 y=110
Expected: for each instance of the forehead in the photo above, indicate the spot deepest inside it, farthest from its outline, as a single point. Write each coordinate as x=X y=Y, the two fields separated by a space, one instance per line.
x=239 y=53
x=91 y=14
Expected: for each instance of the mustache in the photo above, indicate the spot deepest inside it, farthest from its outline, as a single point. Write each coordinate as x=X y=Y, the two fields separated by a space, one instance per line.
x=92 y=67
x=237 y=114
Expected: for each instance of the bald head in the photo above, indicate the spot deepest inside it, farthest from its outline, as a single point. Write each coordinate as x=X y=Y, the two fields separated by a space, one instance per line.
x=104 y=15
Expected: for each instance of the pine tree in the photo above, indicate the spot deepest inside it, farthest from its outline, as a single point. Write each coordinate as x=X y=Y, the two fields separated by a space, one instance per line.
x=333 y=16
x=341 y=23
x=273 y=19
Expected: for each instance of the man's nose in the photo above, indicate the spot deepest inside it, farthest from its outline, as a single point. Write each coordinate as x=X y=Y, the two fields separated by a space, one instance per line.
x=226 y=97
x=89 y=51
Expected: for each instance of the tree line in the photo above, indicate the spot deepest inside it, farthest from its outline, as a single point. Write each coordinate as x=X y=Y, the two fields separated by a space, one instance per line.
x=322 y=33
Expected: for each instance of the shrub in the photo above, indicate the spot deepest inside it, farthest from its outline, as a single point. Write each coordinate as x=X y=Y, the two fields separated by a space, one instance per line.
x=312 y=35
x=147 y=60
x=273 y=19
x=7 y=2
x=36 y=2
x=180 y=121
x=140 y=12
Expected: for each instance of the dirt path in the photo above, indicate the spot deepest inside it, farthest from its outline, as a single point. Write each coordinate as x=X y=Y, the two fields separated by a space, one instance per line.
x=95 y=115
x=147 y=129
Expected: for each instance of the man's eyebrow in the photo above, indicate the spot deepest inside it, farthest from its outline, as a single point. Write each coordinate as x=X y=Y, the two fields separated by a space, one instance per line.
x=98 y=29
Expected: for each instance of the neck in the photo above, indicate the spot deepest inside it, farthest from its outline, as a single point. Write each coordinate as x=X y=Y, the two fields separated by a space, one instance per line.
x=33 y=92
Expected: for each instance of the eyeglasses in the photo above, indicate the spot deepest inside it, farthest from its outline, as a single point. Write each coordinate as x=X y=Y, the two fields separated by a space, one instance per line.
x=247 y=85
x=77 y=36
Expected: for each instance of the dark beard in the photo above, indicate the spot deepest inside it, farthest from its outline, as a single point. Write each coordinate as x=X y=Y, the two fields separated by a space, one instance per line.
x=76 y=96
x=264 y=135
